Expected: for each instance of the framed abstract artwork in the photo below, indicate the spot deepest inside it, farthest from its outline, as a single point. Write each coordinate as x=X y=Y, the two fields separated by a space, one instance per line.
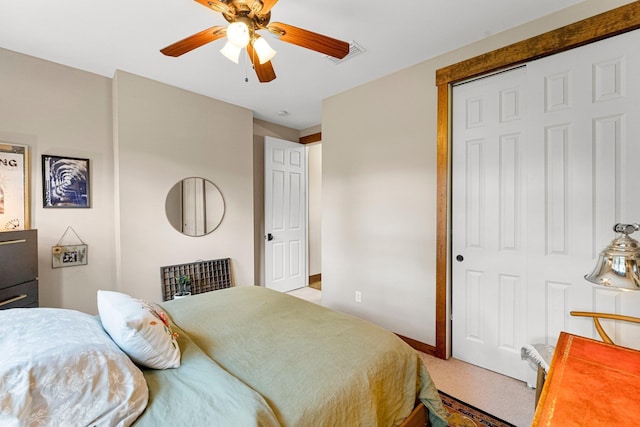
x=14 y=187
x=65 y=182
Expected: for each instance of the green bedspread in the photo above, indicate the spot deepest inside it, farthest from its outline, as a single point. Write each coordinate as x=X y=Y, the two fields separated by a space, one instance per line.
x=312 y=365
x=201 y=393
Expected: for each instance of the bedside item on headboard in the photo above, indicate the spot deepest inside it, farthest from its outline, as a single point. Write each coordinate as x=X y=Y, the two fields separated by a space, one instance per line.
x=203 y=276
x=19 y=269
x=69 y=255
x=14 y=187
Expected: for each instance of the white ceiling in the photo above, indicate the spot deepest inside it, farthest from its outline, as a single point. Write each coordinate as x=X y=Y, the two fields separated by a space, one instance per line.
x=102 y=37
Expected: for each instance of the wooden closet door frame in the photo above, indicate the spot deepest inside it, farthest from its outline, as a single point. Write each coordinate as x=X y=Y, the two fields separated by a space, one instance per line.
x=614 y=22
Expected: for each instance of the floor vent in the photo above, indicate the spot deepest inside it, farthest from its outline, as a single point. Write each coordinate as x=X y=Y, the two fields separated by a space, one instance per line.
x=354 y=50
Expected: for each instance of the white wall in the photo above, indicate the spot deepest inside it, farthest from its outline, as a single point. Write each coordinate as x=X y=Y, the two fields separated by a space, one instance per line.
x=164 y=134
x=63 y=111
x=379 y=187
x=314 y=198
x=378 y=193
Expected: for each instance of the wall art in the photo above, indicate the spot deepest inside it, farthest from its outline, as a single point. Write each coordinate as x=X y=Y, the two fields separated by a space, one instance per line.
x=14 y=187
x=69 y=255
x=65 y=182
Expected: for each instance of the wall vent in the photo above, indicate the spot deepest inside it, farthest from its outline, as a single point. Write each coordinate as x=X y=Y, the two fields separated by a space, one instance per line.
x=354 y=50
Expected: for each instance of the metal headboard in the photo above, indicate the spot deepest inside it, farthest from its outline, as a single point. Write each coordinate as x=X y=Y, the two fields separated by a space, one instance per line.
x=205 y=276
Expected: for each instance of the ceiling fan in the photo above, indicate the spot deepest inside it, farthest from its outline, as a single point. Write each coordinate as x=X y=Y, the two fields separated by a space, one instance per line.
x=245 y=18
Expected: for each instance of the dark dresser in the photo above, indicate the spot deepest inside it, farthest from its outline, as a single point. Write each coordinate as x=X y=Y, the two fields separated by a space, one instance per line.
x=18 y=269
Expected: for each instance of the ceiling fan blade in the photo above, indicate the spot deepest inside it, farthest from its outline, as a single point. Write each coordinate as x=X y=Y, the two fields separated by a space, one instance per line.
x=264 y=71
x=267 y=5
x=310 y=40
x=216 y=5
x=194 y=41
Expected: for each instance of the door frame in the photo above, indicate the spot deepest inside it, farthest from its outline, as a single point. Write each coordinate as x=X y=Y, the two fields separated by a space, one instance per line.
x=611 y=23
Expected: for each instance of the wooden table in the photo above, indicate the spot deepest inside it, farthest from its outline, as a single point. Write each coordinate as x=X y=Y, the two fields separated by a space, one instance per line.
x=590 y=383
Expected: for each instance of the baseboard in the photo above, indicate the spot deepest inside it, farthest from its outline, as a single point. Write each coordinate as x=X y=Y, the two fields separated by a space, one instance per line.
x=420 y=346
x=315 y=278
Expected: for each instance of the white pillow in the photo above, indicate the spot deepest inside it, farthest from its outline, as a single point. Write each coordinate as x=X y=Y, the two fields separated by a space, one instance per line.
x=59 y=367
x=140 y=329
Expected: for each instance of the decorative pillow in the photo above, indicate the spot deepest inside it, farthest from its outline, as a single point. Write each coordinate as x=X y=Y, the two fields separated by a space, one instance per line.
x=140 y=329
x=59 y=367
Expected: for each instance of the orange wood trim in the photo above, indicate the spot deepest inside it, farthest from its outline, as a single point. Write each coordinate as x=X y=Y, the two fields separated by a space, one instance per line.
x=420 y=346
x=608 y=24
x=315 y=278
x=616 y=21
x=314 y=137
x=442 y=220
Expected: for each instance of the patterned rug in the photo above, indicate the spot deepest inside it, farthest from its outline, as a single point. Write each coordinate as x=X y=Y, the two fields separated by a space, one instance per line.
x=464 y=415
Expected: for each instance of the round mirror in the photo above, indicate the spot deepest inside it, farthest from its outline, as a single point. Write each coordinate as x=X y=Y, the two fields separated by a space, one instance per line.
x=194 y=206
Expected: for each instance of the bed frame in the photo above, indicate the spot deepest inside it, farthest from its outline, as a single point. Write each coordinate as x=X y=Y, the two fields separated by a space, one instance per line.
x=216 y=274
x=418 y=418
x=204 y=276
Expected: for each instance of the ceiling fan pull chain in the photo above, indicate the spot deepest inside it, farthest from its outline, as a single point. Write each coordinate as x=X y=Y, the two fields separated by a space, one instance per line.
x=246 y=76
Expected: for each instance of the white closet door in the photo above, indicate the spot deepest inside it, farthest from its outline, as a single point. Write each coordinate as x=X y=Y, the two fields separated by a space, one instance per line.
x=489 y=218
x=585 y=107
x=537 y=185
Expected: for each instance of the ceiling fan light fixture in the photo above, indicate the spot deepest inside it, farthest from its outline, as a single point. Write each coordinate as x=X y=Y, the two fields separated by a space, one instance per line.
x=238 y=34
x=231 y=51
x=264 y=51
x=244 y=19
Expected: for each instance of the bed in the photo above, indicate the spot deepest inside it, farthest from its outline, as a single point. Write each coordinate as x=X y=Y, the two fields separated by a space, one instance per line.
x=249 y=356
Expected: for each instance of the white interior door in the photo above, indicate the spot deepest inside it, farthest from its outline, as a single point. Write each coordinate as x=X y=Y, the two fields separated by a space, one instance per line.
x=542 y=169
x=285 y=215
x=489 y=216
x=585 y=120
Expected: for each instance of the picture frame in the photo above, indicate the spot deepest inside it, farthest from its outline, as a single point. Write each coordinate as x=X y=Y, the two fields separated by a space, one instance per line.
x=14 y=187
x=65 y=182
x=68 y=255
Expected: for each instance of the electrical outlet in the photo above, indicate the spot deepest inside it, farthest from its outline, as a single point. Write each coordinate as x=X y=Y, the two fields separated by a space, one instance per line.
x=358 y=296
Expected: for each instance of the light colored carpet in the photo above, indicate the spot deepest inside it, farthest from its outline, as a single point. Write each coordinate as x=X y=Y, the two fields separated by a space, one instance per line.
x=309 y=294
x=501 y=396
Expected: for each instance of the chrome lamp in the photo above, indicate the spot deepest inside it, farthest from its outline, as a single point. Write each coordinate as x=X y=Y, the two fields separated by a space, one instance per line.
x=617 y=267
x=618 y=263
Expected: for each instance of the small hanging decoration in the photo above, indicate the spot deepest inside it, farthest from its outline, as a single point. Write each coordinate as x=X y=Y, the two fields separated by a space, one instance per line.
x=69 y=255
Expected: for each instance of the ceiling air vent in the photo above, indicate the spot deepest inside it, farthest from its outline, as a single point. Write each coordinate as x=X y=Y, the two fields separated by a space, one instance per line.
x=354 y=50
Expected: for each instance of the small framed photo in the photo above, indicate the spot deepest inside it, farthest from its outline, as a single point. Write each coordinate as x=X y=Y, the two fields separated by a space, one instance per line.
x=68 y=255
x=65 y=182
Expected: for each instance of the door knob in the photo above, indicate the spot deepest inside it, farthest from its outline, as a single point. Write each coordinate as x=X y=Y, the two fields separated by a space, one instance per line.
x=459 y=258
x=269 y=237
